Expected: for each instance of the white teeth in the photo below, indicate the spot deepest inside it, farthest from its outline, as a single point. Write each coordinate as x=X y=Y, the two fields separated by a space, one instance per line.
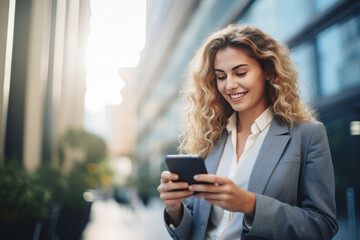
x=238 y=95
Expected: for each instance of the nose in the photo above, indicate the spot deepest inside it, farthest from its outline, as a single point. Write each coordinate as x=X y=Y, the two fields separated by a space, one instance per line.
x=231 y=83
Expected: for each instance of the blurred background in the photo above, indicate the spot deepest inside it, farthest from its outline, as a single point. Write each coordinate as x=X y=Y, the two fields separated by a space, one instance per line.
x=90 y=104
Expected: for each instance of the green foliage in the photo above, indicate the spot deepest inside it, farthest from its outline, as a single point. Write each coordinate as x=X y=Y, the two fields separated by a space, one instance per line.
x=26 y=197
x=53 y=180
x=89 y=172
x=93 y=146
x=75 y=186
x=147 y=182
x=66 y=189
x=22 y=198
x=105 y=168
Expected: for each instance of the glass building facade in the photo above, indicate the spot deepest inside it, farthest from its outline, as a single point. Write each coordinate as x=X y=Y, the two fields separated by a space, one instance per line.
x=324 y=37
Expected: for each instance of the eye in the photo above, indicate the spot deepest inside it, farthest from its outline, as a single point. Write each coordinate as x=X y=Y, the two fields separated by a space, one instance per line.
x=240 y=74
x=220 y=77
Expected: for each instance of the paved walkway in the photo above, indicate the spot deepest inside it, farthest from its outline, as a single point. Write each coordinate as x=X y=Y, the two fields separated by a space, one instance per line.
x=111 y=221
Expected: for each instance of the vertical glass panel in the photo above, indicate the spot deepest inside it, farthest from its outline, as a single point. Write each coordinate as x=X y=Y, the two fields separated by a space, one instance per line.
x=321 y=5
x=305 y=61
x=339 y=56
x=355 y=143
x=338 y=141
x=345 y=155
x=283 y=18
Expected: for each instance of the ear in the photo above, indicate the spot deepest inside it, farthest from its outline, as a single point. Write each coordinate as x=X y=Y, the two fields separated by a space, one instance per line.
x=267 y=77
x=269 y=74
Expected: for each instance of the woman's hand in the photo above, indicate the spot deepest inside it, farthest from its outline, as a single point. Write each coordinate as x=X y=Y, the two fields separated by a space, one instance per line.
x=224 y=193
x=173 y=199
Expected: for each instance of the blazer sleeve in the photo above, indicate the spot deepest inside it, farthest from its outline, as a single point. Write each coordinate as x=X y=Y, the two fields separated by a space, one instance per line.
x=183 y=230
x=315 y=219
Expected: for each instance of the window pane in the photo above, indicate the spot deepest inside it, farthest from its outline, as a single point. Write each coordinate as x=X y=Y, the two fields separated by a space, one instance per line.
x=305 y=61
x=339 y=56
x=283 y=18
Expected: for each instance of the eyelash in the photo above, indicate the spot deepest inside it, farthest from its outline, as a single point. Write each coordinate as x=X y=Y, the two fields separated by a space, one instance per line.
x=240 y=74
x=237 y=74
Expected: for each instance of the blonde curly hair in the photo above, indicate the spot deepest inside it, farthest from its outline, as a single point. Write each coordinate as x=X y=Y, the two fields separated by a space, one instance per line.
x=207 y=113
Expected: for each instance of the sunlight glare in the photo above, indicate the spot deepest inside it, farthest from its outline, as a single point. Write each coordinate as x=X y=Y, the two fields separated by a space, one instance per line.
x=116 y=38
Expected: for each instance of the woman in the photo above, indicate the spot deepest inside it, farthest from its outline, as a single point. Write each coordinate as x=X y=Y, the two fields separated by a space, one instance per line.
x=266 y=155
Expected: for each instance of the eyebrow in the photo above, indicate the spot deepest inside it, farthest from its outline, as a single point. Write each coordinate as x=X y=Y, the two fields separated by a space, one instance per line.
x=234 y=68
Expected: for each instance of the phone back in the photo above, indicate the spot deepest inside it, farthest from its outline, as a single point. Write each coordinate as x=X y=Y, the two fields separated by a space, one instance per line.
x=186 y=166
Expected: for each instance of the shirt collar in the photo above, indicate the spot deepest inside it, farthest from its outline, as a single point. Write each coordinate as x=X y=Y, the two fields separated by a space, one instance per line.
x=231 y=125
x=258 y=126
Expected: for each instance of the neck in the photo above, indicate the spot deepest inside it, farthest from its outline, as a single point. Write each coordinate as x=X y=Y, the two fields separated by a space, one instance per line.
x=246 y=119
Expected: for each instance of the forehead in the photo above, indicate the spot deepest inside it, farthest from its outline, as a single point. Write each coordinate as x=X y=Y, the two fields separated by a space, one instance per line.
x=232 y=56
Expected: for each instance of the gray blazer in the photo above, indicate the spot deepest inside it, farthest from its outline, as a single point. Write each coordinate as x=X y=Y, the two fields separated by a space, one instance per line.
x=293 y=179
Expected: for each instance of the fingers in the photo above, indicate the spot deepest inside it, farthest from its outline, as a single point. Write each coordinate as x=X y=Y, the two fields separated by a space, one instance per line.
x=167 y=176
x=217 y=184
x=211 y=178
x=177 y=195
x=169 y=186
x=166 y=189
x=205 y=188
x=209 y=196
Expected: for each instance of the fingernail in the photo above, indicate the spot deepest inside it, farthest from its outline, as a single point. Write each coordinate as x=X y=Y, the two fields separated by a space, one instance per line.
x=175 y=177
x=190 y=188
x=196 y=177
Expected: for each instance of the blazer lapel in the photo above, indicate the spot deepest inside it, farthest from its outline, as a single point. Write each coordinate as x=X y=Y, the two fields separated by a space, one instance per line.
x=212 y=160
x=270 y=152
x=211 y=163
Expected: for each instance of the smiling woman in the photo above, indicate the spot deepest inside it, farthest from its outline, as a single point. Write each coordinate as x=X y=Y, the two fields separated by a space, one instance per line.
x=265 y=153
x=241 y=81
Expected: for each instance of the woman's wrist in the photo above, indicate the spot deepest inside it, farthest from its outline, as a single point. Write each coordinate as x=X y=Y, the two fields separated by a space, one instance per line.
x=250 y=204
x=175 y=214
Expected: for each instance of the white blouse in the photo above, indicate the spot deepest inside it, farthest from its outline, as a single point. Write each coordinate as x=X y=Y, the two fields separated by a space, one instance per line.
x=224 y=224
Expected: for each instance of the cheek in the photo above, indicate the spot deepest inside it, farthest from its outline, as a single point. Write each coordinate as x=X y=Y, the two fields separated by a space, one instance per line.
x=262 y=86
x=219 y=85
x=258 y=84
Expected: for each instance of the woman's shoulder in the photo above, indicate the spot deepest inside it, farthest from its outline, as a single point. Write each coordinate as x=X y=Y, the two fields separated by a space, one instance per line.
x=309 y=124
x=308 y=128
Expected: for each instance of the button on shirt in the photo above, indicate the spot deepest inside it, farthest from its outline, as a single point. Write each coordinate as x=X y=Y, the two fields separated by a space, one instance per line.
x=224 y=224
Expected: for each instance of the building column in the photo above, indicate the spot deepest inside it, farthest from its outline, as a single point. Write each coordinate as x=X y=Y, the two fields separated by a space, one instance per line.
x=47 y=65
x=7 y=19
x=36 y=78
x=71 y=105
x=14 y=138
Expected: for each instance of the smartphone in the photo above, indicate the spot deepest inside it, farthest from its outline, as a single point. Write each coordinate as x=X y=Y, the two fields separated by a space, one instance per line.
x=186 y=166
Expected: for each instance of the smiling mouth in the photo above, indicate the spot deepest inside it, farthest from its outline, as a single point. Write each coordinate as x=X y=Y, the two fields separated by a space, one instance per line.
x=238 y=96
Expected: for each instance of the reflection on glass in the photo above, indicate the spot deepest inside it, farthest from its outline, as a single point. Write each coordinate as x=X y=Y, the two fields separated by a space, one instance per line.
x=321 y=5
x=339 y=56
x=304 y=58
x=338 y=141
x=283 y=18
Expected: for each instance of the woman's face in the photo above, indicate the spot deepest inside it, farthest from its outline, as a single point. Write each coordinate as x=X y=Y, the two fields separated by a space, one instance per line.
x=240 y=80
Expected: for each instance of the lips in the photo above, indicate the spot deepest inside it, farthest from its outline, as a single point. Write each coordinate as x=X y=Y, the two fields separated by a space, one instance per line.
x=238 y=96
